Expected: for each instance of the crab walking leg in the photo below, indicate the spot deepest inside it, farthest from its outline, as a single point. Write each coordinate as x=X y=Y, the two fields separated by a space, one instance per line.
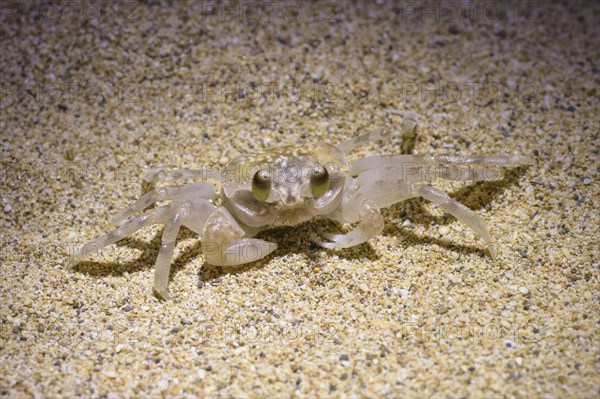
x=370 y=223
x=415 y=173
x=190 y=191
x=406 y=129
x=376 y=162
x=192 y=214
x=410 y=163
x=131 y=226
x=223 y=242
x=385 y=193
x=165 y=254
x=160 y=175
x=508 y=161
x=459 y=211
x=476 y=167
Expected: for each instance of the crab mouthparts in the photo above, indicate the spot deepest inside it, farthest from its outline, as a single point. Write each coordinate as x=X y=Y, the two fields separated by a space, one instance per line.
x=290 y=202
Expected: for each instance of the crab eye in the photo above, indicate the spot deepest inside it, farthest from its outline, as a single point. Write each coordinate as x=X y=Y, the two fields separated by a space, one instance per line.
x=261 y=185
x=319 y=181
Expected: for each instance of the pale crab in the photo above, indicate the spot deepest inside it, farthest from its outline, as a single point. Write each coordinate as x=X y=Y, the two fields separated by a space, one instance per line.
x=290 y=185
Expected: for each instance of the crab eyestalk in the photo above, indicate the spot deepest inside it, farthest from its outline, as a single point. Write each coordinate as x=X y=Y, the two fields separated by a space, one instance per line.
x=319 y=181
x=261 y=185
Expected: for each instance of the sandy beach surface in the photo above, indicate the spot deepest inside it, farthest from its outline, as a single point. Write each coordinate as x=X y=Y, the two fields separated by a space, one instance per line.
x=94 y=96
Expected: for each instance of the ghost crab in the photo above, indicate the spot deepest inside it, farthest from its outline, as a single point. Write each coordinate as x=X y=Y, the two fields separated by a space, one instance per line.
x=290 y=185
